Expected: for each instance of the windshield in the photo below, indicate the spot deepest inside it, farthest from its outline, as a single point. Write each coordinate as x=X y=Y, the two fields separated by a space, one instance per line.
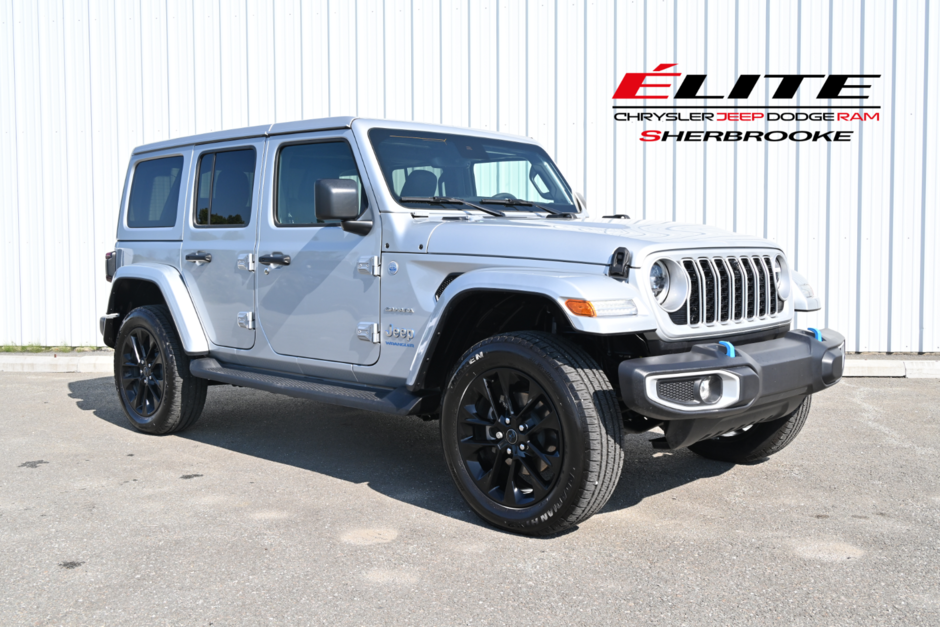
x=472 y=169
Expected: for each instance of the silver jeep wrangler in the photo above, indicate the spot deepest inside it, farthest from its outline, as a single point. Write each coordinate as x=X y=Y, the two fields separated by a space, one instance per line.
x=453 y=274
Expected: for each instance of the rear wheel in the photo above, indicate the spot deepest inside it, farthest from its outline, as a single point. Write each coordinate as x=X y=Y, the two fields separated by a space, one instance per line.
x=151 y=373
x=531 y=433
x=757 y=442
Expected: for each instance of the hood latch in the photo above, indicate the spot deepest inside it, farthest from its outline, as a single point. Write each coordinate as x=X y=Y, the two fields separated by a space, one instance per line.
x=620 y=263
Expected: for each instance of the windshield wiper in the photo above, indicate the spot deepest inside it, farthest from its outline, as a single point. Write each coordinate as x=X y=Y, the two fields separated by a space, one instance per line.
x=440 y=200
x=509 y=202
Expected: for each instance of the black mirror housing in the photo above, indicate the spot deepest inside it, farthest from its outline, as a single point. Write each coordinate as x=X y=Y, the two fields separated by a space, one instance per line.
x=336 y=199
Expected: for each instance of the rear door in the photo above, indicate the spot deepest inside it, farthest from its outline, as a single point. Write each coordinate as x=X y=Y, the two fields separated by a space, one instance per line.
x=322 y=304
x=219 y=239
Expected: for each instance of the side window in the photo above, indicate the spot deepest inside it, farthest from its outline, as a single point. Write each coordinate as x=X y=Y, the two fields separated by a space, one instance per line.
x=155 y=193
x=299 y=168
x=224 y=182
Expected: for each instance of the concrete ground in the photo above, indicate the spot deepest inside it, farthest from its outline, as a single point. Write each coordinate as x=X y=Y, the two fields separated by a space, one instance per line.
x=278 y=511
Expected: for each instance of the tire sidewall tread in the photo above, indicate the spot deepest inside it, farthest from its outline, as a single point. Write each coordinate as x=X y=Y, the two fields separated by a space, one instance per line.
x=583 y=397
x=184 y=395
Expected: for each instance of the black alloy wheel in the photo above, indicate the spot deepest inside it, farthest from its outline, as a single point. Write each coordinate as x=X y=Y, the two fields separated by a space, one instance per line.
x=531 y=432
x=143 y=373
x=510 y=437
x=158 y=393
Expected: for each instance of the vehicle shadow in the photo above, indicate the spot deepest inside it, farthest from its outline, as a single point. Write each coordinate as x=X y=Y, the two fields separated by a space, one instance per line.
x=398 y=456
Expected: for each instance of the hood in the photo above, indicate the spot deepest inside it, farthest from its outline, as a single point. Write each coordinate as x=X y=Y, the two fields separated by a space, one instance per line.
x=580 y=241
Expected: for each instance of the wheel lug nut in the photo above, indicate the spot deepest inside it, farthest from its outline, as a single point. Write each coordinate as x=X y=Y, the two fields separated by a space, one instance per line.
x=498 y=434
x=522 y=447
x=521 y=427
x=506 y=421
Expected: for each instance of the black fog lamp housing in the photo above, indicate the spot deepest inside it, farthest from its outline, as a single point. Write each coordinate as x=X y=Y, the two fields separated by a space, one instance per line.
x=714 y=389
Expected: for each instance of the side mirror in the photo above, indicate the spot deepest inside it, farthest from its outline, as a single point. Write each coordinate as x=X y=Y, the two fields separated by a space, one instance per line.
x=336 y=199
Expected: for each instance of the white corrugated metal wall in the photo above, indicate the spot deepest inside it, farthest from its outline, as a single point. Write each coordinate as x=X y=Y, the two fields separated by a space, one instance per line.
x=84 y=81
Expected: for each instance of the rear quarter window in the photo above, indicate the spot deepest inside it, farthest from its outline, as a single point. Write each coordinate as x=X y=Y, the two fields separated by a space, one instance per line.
x=155 y=193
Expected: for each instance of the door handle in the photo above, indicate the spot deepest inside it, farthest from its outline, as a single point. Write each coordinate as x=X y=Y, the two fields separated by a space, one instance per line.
x=275 y=259
x=199 y=256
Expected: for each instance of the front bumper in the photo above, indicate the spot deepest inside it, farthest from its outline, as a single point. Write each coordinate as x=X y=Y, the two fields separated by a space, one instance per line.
x=762 y=381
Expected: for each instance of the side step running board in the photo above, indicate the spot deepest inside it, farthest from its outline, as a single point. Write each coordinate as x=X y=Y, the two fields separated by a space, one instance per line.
x=388 y=400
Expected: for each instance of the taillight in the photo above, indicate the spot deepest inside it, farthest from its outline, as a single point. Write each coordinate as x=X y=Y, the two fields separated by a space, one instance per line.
x=110 y=260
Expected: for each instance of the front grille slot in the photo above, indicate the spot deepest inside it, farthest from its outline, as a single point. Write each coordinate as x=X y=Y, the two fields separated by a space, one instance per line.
x=725 y=289
x=772 y=283
x=749 y=292
x=761 y=290
x=694 y=302
x=724 y=286
x=740 y=291
x=709 y=289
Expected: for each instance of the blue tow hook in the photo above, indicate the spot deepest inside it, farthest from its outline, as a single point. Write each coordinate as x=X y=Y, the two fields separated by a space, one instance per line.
x=816 y=333
x=729 y=348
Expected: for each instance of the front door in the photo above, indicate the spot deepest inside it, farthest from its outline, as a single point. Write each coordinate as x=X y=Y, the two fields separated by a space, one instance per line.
x=318 y=304
x=219 y=239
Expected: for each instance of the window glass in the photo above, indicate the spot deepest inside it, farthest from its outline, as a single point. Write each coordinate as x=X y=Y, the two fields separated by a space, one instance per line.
x=155 y=193
x=475 y=169
x=508 y=178
x=300 y=166
x=224 y=186
x=204 y=188
x=401 y=175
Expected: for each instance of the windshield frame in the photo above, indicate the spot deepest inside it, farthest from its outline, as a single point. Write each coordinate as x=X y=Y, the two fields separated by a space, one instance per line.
x=364 y=129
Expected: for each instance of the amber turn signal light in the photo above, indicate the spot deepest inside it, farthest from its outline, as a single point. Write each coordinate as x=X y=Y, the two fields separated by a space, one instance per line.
x=580 y=307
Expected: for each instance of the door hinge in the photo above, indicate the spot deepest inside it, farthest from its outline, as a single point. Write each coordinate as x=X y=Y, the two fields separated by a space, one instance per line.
x=369 y=265
x=369 y=332
x=246 y=319
x=246 y=261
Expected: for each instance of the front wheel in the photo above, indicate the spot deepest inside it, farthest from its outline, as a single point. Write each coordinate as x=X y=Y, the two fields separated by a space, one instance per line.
x=757 y=442
x=532 y=432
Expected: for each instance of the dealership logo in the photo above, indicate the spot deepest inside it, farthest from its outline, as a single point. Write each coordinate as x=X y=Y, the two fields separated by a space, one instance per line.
x=689 y=88
x=690 y=102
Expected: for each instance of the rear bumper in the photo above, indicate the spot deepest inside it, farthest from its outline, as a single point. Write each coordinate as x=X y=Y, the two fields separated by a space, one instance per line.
x=762 y=381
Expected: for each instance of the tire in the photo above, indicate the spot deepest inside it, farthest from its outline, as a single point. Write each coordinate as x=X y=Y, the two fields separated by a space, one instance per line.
x=558 y=460
x=157 y=391
x=760 y=441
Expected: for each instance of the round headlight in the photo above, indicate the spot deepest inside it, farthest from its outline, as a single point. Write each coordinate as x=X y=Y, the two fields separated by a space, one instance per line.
x=659 y=281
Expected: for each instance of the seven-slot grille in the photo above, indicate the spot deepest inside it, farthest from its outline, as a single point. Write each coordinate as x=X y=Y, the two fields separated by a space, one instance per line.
x=728 y=289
